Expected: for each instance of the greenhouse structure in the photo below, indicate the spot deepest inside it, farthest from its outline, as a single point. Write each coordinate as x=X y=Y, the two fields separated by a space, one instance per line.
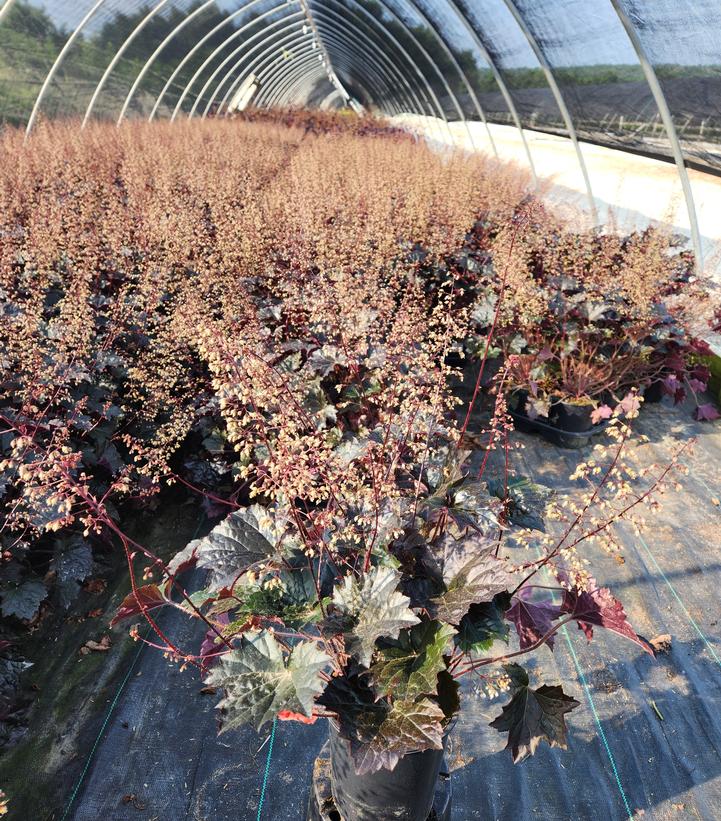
x=360 y=410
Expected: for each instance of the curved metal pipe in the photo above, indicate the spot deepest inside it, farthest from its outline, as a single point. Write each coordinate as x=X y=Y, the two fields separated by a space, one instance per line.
x=352 y=55
x=322 y=16
x=420 y=47
x=500 y=82
x=669 y=126
x=295 y=68
x=305 y=69
x=5 y=8
x=245 y=7
x=297 y=34
x=345 y=61
x=116 y=58
x=154 y=56
x=395 y=90
x=464 y=79
x=389 y=36
x=293 y=87
x=560 y=101
x=56 y=65
x=349 y=24
x=301 y=46
x=332 y=76
x=265 y=33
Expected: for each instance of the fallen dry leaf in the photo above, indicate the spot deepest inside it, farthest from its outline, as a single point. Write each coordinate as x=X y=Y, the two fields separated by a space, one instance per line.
x=96 y=646
x=95 y=586
x=208 y=691
x=93 y=614
x=662 y=643
x=133 y=799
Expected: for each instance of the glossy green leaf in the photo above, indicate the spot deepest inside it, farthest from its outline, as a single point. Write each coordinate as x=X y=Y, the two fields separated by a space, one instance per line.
x=260 y=680
x=409 y=666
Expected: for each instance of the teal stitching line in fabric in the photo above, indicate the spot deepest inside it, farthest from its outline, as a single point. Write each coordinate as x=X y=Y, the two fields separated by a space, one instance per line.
x=597 y=719
x=100 y=734
x=106 y=721
x=702 y=636
x=599 y=727
x=267 y=770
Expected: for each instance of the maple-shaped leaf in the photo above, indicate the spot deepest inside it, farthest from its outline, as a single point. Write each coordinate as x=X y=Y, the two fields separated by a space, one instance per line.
x=706 y=413
x=148 y=597
x=596 y=606
x=409 y=666
x=471 y=575
x=379 y=733
x=261 y=681
x=233 y=546
x=466 y=503
x=372 y=610
x=23 y=600
x=600 y=413
x=526 y=501
x=629 y=406
x=532 y=619
x=484 y=624
x=533 y=716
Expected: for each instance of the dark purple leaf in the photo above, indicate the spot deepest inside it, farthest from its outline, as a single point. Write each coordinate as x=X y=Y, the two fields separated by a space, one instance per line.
x=596 y=606
x=379 y=733
x=144 y=598
x=533 y=716
x=706 y=413
x=532 y=619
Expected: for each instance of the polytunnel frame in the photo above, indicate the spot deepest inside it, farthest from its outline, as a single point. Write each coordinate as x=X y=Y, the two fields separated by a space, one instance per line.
x=265 y=33
x=559 y=98
x=270 y=85
x=425 y=86
x=462 y=74
x=243 y=9
x=302 y=61
x=305 y=51
x=264 y=62
x=118 y=55
x=233 y=84
x=277 y=90
x=409 y=33
x=336 y=36
x=301 y=72
x=627 y=23
x=296 y=18
x=388 y=68
x=409 y=60
x=5 y=8
x=153 y=57
x=383 y=64
x=332 y=76
x=500 y=82
x=669 y=125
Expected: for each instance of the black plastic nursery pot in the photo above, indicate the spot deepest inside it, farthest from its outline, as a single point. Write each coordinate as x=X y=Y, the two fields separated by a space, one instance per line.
x=405 y=793
x=568 y=424
x=653 y=393
x=571 y=417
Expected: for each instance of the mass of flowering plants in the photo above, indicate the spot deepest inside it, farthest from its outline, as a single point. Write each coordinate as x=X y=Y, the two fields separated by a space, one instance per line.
x=277 y=318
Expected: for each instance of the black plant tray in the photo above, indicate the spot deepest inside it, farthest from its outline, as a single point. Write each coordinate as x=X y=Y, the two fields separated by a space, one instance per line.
x=559 y=436
x=321 y=806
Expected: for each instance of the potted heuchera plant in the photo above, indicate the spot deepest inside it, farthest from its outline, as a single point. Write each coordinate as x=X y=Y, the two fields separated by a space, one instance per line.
x=370 y=617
